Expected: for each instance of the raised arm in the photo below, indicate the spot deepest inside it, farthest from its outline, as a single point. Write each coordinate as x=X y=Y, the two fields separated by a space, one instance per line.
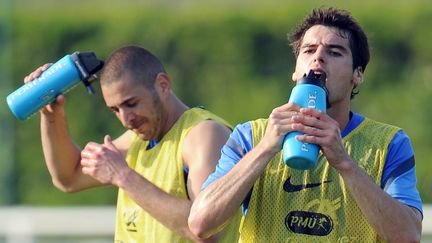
x=393 y=220
x=62 y=155
x=220 y=200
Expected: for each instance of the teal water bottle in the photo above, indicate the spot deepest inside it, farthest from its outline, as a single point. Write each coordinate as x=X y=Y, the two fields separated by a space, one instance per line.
x=57 y=79
x=309 y=92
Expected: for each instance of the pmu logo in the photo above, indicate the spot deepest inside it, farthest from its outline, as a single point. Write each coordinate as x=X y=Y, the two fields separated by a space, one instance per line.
x=309 y=223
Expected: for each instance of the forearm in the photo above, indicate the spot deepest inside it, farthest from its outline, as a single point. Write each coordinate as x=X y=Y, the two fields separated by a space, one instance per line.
x=62 y=156
x=169 y=210
x=221 y=199
x=393 y=220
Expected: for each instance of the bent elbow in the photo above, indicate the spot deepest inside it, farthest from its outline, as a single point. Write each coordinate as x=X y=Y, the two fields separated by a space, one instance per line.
x=409 y=238
x=414 y=238
x=63 y=186
x=198 y=227
x=406 y=239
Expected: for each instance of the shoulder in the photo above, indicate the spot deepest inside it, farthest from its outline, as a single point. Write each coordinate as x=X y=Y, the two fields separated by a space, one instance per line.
x=202 y=122
x=375 y=133
x=258 y=128
x=243 y=130
x=206 y=137
x=377 y=125
x=240 y=140
x=400 y=155
x=124 y=141
x=208 y=127
x=200 y=113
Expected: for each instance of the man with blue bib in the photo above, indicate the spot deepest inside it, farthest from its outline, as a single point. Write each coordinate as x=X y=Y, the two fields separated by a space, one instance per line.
x=363 y=188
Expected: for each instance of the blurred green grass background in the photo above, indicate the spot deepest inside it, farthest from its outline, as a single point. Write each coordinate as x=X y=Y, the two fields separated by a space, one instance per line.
x=230 y=56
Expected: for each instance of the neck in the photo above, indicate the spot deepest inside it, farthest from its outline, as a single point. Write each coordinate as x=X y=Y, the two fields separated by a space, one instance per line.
x=175 y=108
x=341 y=115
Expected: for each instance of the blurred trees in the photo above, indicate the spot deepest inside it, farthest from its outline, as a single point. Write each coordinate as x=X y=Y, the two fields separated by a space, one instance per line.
x=232 y=58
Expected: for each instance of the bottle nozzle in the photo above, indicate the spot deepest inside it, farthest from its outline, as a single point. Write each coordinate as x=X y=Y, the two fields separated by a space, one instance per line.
x=314 y=78
x=88 y=82
x=90 y=89
x=88 y=65
x=318 y=79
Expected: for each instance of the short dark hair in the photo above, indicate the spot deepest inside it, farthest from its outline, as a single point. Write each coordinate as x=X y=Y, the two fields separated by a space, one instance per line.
x=134 y=62
x=348 y=28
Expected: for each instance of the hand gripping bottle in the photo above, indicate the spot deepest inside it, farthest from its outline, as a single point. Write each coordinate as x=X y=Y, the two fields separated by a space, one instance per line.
x=57 y=79
x=310 y=92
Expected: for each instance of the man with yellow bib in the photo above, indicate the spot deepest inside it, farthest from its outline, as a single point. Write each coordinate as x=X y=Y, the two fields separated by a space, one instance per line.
x=159 y=163
x=363 y=188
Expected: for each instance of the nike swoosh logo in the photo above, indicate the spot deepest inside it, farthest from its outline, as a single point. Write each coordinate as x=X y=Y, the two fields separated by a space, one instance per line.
x=289 y=187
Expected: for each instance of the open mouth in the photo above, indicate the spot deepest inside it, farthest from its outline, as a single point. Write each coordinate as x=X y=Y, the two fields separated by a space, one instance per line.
x=318 y=71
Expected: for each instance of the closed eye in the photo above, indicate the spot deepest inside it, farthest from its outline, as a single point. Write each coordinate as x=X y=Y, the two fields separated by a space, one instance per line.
x=309 y=51
x=335 y=53
x=131 y=104
x=113 y=110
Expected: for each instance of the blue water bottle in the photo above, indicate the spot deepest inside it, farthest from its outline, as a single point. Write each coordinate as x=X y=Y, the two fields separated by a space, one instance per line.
x=57 y=79
x=310 y=92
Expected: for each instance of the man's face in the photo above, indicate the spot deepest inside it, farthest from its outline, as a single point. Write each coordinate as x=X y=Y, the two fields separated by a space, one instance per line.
x=138 y=108
x=324 y=50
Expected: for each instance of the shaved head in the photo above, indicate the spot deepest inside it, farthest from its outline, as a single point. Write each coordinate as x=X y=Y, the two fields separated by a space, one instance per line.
x=133 y=63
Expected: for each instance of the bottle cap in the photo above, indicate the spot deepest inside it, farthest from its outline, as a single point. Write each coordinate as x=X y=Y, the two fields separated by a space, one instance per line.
x=318 y=79
x=88 y=65
x=313 y=78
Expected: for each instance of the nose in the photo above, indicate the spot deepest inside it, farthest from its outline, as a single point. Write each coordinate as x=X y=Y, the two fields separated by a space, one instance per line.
x=319 y=54
x=126 y=118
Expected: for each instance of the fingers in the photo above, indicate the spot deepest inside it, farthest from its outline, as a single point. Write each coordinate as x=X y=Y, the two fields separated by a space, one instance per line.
x=312 y=123
x=306 y=124
x=86 y=163
x=108 y=142
x=280 y=119
x=284 y=112
x=93 y=150
x=60 y=100
x=287 y=107
x=89 y=154
x=312 y=112
x=317 y=127
x=37 y=72
x=313 y=117
x=87 y=170
x=88 y=166
x=58 y=103
x=92 y=146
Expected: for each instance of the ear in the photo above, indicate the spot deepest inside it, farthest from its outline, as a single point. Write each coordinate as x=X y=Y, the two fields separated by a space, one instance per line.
x=294 y=77
x=357 y=76
x=162 y=83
